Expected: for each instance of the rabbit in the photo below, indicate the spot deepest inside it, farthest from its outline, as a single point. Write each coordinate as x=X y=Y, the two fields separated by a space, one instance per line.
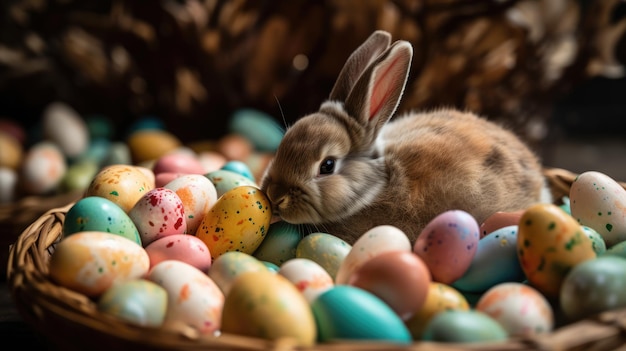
x=350 y=167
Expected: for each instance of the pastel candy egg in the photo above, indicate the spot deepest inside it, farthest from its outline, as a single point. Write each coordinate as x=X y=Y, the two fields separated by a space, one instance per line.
x=310 y=278
x=599 y=202
x=239 y=167
x=238 y=221
x=66 y=128
x=519 y=308
x=460 y=326
x=225 y=180
x=197 y=194
x=42 y=169
x=494 y=262
x=550 y=242
x=178 y=162
x=182 y=247
x=139 y=302
x=193 y=298
x=279 y=244
x=325 y=249
x=266 y=305
x=122 y=184
x=95 y=213
x=346 y=312
x=91 y=262
x=158 y=213
x=229 y=266
x=448 y=244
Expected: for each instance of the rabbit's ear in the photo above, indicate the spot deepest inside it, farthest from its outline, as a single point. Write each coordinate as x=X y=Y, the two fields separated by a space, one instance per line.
x=358 y=61
x=376 y=94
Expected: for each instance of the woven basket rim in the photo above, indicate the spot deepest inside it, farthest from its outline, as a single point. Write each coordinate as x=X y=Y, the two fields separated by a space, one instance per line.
x=40 y=301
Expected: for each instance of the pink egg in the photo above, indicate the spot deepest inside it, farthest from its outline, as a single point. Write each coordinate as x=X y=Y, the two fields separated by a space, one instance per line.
x=181 y=247
x=158 y=213
x=178 y=162
x=448 y=244
x=499 y=220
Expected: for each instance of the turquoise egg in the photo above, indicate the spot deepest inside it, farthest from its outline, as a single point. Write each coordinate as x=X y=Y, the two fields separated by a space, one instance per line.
x=279 y=244
x=225 y=180
x=239 y=167
x=271 y=266
x=345 y=312
x=599 y=246
x=258 y=127
x=495 y=261
x=144 y=123
x=95 y=213
x=324 y=249
x=463 y=326
x=140 y=302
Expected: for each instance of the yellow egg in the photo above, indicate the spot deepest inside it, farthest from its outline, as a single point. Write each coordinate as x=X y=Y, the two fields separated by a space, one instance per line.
x=266 y=305
x=238 y=221
x=440 y=297
x=550 y=243
x=122 y=184
x=11 y=151
x=150 y=144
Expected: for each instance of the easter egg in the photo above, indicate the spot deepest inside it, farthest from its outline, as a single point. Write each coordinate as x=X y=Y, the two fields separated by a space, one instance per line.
x=325 y=249
x=234 y=146
x=95 y=213
x=267 y=305
x=599 y=246
x=197 y=194
x=439 y=297
x=258 y=127
x=122 y=184
x=401 y=279
x=599 y=202
x=447 y=244
x=211 y=160
x=151 y=144
x=79 y=175
x=100 y=126
x=346 y=312
x=12 y=151
x=91 y=262
x=158 y=213
x=520 y=309
x=225 y=180
x=238 y=221
x=279 y=244
x=594 y=286
x=42 y=169
x=140 y=302
x=310 y=278
x=66 y=128
x=550 y=242
x=118 y=153
x=494 y=262
x=8 y=185
x=229 y=266
x=178 y=162
x=182 y=247
x=193 y=299
x=499 y=220
x=239 y=167
x=461 y=326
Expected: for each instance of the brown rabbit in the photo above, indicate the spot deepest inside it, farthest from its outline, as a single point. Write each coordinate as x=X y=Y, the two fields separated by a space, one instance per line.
x=347 y=168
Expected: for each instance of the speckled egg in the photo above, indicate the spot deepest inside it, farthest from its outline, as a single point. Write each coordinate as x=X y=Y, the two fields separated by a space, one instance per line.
x=122 y=184
x=310 y=278
x=448 y=244
x=440 y=297
x=599 y=202
x=193 y=298
x=325 y=249
x=197 y=194
x=42 y=169
x=91 y=262
x=140 y=302
x=459 y=326
x=550 y=242
x=238 y=221
x=66 y=128
x=182 y=247
x=495 y=262
x=520 y=309
x=95 y=213
x=599 y=246
x=225 y=180
x=158 y=213
x=266 y=305
x=229 y=266
x=279 y=244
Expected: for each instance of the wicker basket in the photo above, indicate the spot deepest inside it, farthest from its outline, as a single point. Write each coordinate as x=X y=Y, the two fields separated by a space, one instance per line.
x=71 y=321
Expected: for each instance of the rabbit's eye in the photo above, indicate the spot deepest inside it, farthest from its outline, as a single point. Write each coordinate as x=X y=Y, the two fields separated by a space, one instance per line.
x=327 y=166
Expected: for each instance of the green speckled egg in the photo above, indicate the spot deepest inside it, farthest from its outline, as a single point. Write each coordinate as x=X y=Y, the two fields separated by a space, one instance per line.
x=325 y=249
x=280 y=243
x=238 y=221
x=599 y=246
x=139 y=302
x=94 y=213
x=464 y=326
x=224 y=180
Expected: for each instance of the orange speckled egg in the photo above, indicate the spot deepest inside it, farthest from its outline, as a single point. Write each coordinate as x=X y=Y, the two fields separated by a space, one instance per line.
x=122 y=184
x=91 y=262
x=151 y=144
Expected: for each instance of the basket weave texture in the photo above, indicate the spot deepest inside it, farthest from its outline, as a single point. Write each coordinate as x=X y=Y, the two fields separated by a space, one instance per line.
x=71 y=321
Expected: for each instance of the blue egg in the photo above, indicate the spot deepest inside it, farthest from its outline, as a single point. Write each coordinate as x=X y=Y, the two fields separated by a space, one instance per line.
x=346 y=312
x=95 y=213
x=258 y=127
x=240 y=168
